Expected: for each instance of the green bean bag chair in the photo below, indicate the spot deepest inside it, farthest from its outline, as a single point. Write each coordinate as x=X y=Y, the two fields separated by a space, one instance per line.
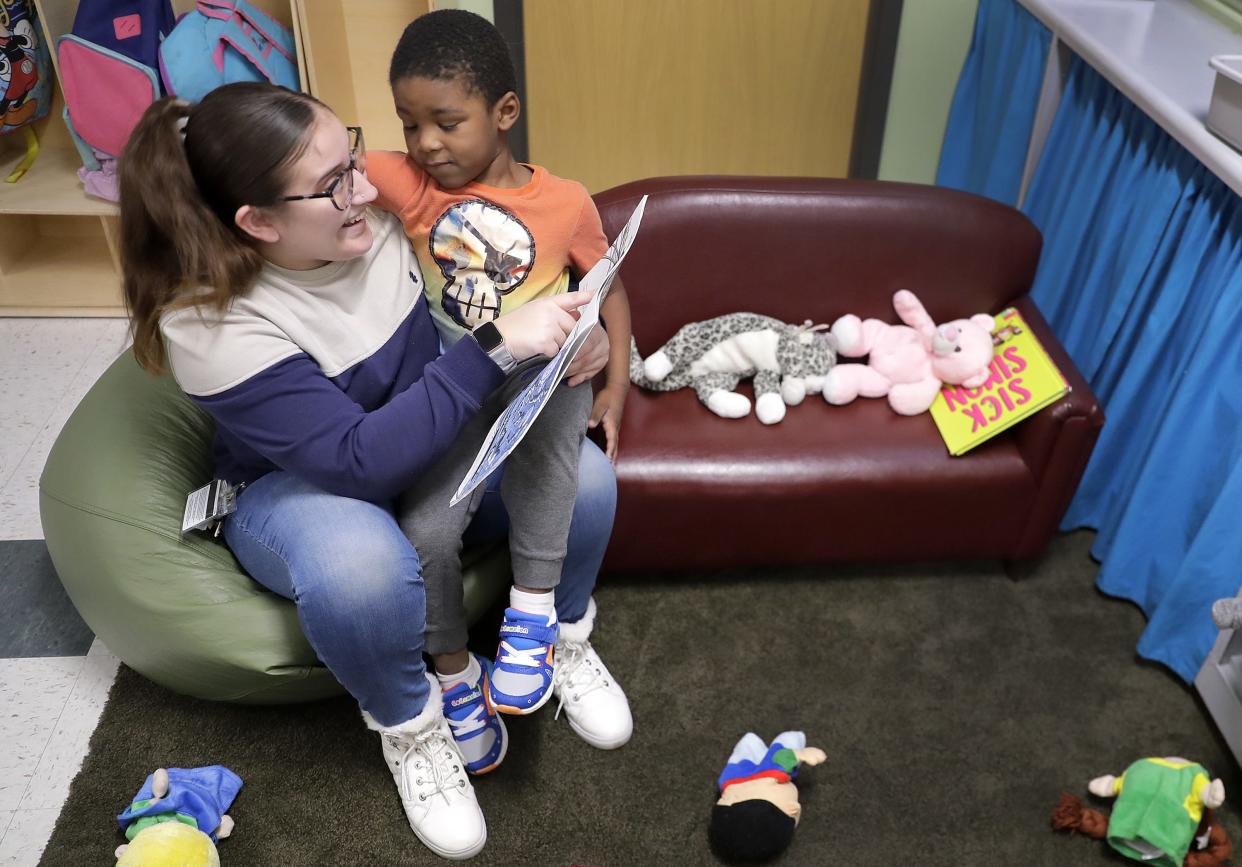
x=178 y=609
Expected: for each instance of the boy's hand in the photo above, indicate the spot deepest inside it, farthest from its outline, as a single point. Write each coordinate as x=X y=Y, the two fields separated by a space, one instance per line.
x=591 y=358
x=608 y=409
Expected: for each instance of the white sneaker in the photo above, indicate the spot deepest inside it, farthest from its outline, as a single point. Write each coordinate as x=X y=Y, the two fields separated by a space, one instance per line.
x=430 y=774
x=593 y=701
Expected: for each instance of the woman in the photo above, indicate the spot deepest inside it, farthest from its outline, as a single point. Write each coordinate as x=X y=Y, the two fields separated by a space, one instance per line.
x=294 y=316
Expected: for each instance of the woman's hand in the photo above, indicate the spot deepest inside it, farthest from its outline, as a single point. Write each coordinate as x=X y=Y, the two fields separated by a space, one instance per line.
x=591 y=358
x=540 y=327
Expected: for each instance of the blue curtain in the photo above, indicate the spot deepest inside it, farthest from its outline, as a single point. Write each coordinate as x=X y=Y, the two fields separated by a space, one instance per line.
x=994 y=105
x=1141 y=278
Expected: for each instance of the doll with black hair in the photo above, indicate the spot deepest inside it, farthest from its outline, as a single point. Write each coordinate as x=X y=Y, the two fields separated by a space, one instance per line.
x=758 y=809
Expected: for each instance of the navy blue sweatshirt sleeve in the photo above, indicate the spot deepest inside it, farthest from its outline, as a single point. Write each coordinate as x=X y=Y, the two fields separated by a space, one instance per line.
x=300 y=420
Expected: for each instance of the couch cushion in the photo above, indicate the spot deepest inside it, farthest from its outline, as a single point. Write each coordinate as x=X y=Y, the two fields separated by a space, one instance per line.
x=827 y=483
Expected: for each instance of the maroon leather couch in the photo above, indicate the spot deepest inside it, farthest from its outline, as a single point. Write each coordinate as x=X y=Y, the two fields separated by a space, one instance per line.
x=829 y=483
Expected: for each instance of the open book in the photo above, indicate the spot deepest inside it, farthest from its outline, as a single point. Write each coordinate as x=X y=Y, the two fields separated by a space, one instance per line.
x=517 y=418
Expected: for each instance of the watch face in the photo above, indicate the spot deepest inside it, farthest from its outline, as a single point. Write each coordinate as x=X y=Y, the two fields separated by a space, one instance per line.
x=488 y=336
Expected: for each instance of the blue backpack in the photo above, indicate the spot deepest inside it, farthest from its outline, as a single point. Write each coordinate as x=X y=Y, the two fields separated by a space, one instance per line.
x=224 y=41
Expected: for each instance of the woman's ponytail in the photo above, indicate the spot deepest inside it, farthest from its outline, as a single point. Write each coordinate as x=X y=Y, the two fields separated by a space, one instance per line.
x=180 y=247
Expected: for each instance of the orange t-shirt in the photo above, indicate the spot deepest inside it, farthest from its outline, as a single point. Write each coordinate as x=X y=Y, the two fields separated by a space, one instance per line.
x=486 y=250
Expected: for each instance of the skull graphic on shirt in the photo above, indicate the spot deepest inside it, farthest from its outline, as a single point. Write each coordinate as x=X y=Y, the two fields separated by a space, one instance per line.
x=484 y=253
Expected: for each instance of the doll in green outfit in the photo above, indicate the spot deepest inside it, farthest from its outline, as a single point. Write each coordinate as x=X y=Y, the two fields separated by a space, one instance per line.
x=1162 y=814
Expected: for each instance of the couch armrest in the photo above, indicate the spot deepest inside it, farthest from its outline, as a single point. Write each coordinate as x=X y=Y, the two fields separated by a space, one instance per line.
x=1056 y=442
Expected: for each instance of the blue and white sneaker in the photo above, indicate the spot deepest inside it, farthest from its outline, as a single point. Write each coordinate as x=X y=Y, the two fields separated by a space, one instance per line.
x=525 y=663
x=478 y=730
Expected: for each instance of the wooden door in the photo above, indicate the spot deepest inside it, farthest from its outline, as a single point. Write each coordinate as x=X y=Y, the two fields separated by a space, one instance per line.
x=623 y=89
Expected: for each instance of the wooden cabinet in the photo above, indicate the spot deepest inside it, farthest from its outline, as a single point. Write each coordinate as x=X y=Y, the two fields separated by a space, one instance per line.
x=58 y=250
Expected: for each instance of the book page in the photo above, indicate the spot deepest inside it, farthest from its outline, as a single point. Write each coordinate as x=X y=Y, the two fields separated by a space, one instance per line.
x=517 y=418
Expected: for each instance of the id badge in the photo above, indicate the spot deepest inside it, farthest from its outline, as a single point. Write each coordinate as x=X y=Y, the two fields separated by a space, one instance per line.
x=206 y=508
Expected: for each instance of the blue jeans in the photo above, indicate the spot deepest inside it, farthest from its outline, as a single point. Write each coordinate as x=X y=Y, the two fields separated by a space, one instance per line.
x=355 y=577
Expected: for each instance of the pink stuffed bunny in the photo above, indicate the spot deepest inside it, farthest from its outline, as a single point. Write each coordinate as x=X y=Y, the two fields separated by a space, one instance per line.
x=908 y=362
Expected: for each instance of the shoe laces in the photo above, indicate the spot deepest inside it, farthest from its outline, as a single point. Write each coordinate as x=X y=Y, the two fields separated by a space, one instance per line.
x=438 y=764
x=468 y=724
x=531 y=657
x=579 y=671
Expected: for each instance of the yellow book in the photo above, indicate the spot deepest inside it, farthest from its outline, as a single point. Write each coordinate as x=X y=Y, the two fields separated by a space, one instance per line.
x=1023 y=381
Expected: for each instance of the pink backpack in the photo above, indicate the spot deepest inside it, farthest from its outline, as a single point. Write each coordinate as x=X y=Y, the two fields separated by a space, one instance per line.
x=108 y=75
x=105 y=92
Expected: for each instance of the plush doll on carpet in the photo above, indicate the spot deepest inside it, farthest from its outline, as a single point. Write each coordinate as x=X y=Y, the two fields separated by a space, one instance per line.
x=788 y=362
x=1162 y=816
x=177 y=817
x=758 y=808
x=908 y=363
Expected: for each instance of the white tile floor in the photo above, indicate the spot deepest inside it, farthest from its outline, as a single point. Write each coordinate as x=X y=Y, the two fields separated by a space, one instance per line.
x=46 y=366
x=49 y=707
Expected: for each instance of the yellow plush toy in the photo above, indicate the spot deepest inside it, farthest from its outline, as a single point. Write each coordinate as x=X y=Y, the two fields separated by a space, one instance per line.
x=169 y=844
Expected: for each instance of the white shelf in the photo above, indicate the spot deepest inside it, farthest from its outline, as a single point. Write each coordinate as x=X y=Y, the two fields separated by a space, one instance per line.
x=1155 y=52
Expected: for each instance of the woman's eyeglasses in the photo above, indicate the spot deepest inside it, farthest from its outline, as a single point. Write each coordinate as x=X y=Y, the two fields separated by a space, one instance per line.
x=341 y=188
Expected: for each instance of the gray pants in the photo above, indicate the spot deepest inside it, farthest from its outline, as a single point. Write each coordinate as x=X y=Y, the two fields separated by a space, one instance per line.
x=538 y=488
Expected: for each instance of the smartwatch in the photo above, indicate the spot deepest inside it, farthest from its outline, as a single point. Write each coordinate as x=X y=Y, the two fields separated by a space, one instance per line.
x=490 y=341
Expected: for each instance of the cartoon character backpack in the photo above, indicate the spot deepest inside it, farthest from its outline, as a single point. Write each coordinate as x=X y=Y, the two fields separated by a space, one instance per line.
x=25 y=76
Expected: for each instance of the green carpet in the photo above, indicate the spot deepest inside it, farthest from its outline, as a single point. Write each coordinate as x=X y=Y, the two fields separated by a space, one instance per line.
x=954 y=705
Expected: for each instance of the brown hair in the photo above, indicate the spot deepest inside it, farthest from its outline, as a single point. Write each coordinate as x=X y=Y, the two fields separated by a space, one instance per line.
x=180 y=246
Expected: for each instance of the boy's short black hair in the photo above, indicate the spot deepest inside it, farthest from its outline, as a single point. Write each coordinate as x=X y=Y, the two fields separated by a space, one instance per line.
x=449 y=43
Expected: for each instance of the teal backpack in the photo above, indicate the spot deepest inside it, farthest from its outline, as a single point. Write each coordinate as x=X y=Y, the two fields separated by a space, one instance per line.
x=224 y=41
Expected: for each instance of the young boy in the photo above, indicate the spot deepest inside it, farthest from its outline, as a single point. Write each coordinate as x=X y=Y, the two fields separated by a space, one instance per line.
x=491 y=234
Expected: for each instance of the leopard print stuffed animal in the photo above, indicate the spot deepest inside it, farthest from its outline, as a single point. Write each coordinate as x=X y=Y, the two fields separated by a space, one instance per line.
x=788 y=362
